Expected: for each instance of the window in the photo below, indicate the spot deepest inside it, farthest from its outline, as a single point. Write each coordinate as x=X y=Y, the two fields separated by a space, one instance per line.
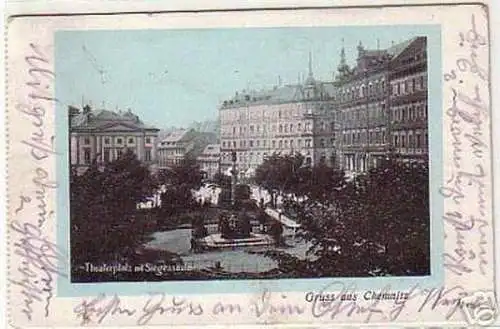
x=274 y=144
x=251 y=143
x=264 y=142
x=234 y=144
x=300 y=142
x=299 y=127
x=291 y=143
x=148 y=140
x=419 y=141
x=234 y=130
x=86 y=141
x=280 y=144
x=286 y=128
x=322 y=142
x=403 y=141
x=291 y=127
x=308 y=143
x=119 y=141
x=86 y=155
x=251 y=129
x=223 y=144
x=286 y=143
x=118 y=153
x=396 y=141
x=147 y=154
x=131 y=140
x=281 y=128
x=410 y=141
x=106 y=140
x=258 y=143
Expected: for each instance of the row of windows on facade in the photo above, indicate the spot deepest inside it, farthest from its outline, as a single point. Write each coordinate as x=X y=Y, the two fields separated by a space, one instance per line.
x=409 y=112
x=257 y=157
x=279 y=143
x=408 y=86
x=282 y=128
x=400 y=139
x=110 y=154
x=360 y=91
x=171 y=152
x=375 y=137
x=245 y=114
x=118 y=140
x=413 y=111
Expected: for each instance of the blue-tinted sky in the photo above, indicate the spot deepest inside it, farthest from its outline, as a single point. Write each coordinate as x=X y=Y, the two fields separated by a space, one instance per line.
x=174 y=77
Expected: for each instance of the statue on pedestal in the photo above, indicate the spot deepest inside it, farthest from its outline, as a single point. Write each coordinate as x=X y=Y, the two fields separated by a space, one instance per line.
x=234 y=227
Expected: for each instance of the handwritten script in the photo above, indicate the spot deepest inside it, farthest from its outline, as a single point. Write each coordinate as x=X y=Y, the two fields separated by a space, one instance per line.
x=40 y=258
x=467 y=185
x=269 y=305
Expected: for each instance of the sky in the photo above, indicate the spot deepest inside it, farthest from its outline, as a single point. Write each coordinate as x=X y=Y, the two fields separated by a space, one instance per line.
x=174 y=77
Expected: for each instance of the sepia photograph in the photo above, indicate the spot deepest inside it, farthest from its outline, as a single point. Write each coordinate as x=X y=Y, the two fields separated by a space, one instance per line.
x=246 y=153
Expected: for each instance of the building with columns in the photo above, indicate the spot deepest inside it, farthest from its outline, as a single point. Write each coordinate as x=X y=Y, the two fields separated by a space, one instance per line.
x=285 y=119
x=102 y=136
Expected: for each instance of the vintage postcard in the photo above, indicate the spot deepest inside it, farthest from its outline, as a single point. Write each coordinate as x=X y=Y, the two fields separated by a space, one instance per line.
x=307 y=167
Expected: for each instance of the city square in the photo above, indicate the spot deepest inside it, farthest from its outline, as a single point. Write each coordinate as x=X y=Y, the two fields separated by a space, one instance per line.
x=319 y=177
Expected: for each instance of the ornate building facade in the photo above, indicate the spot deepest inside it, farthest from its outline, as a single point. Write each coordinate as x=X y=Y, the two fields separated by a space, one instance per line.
x=102 y=136
x=408 y=102
x=383 y=105
x=285 y=120
x=376 y=108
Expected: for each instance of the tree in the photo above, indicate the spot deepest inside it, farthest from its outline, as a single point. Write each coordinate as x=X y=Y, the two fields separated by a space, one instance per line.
x=180 y=181
x=279 y=174
x=377 y=223
x=103 y=212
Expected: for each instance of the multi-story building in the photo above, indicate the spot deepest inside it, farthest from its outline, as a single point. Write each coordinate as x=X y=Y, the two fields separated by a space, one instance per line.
x=102 y=136
x=375 y=99
x=408 y=101
x=174 y=148
x=286 y=119
x=181 y=144
x=375 y=108
x=209 y=160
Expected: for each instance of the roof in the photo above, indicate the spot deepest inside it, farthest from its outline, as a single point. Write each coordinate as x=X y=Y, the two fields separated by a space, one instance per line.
x=103 y=119
x=285 y=94
x=178 y=135
x=397 y=49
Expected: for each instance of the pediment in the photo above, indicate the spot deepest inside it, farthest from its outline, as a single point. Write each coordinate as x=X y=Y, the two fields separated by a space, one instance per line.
x=114 y=127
